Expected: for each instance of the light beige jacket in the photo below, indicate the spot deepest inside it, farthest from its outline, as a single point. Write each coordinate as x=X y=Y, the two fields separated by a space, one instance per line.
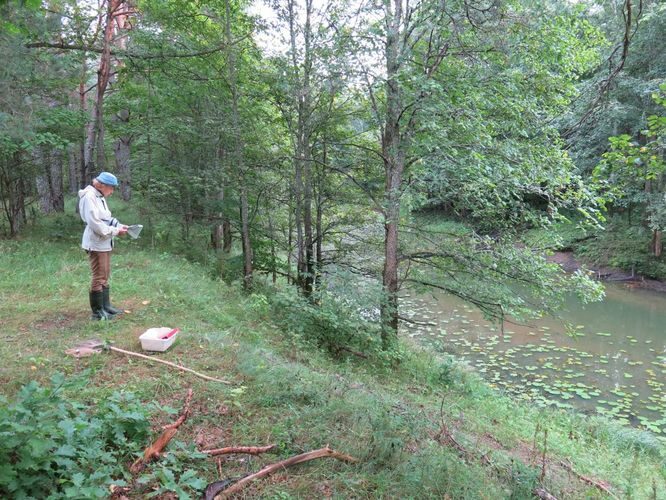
x=101 y=227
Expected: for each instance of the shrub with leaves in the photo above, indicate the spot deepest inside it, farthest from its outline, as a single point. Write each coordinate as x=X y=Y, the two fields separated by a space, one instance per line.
x=331 y=321
x=56 y=448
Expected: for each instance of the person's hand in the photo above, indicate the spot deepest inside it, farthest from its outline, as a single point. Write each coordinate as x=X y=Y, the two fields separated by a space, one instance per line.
x=123 y=230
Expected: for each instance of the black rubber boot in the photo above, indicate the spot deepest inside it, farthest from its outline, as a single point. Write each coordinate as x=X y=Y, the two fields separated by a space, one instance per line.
x=97 y=306
x=112 y=311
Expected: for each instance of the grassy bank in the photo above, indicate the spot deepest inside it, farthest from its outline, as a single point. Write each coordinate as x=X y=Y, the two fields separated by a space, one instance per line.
x=424 y=428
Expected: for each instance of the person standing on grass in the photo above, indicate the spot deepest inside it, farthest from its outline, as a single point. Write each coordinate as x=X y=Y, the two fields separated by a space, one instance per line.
x=97 y=241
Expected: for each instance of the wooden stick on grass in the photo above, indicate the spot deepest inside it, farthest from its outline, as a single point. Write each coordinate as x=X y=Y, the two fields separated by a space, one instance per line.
x=168 y=363
x=269 y=469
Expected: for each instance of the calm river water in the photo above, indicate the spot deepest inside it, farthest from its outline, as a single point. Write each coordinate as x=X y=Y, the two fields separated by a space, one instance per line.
x=614 y=363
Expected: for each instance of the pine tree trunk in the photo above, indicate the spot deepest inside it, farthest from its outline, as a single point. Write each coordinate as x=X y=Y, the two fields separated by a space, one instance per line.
x=94 y=148
x=121 y=148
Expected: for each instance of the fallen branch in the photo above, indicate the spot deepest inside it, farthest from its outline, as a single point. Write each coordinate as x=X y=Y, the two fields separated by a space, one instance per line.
x=603 y=486
x=269 y=469
x=183 y=414
x=543 y=494
x=247 y=450
x=355 y=353
x=168 y=363
x=155 y=449
x=444 y=436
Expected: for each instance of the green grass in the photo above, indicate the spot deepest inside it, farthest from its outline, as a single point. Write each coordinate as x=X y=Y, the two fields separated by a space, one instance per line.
x=386 y=415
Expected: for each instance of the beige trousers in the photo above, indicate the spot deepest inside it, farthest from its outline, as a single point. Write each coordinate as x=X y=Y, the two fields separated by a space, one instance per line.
x=100 y=265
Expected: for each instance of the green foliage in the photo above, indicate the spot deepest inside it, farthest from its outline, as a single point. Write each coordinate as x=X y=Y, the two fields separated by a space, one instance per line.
x=632 y=173
x=622 y=245
x=54 y=446
x=623 y=108
x=174 y=473
x=332 y=322
x=498 y=275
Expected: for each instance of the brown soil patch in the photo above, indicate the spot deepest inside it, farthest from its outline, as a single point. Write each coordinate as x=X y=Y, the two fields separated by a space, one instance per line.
x=61 y=322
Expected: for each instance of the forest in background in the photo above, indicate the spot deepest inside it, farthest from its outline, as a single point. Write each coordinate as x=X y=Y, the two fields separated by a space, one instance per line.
x=308 y=144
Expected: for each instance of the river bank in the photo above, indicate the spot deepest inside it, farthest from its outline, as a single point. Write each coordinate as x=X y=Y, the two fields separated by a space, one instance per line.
x=631 y=280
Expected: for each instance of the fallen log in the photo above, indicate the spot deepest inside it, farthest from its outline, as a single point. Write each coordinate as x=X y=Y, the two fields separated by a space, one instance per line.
x=269 y=469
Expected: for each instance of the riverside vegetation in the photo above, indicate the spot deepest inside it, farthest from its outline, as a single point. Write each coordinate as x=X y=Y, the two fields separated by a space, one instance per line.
x=421 y=427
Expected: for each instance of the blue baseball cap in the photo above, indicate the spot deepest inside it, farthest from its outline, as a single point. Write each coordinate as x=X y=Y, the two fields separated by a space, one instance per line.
x=107 y=178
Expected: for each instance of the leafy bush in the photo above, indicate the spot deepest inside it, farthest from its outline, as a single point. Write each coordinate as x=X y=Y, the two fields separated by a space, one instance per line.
x=331 y=323
x=51 y=446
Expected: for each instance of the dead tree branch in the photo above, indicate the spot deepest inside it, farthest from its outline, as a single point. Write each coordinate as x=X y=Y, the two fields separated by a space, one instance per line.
x=246 y=450
x=154 y=450
x=270 y=469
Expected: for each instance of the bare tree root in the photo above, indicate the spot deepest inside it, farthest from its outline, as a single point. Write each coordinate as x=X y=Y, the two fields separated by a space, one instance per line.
x=269 y=469
x=169 y=431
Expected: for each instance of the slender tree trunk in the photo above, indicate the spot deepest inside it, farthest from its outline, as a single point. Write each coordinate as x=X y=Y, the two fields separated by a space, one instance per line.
x=290 y=236
x=13 y=194
x=302 y=162
x=238 y=156
x=84 y=176
x=394 y=164
x=73 y=163
x=50 y=182
x=657 y=245
x=271 y=232
x=245 y=238
x=319 y=259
